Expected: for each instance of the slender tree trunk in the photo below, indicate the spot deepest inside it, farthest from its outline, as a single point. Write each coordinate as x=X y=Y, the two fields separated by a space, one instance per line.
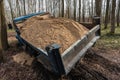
x=83 y=11
x=18 y=8
x=109 y=12
x=33 y=6
x=21 y=7
x=75 y=10
x=35 y=10
x=112 y=31
x=59 y=8
x=47 y=4
x=3 y=28
x=106 y=14
x=39 y=5
x=92 y=11
x=51 y=7
x=24 y=7
x=68 y=8
x=1 y=55
x=79 y=10
x=98 y=4
x=54 y=7
x=118 y=14
x=42 y=4
x=10 y=5
x=28 y=6
x=62 y=8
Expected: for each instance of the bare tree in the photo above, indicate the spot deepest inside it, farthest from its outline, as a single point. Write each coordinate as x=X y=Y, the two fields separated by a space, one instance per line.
x=59 y=8
x=34 y=6
x=106 y=14
x=3 y=28
x=46 y=4
x=18 y=8
x=68 y=3
x=24 y=5
x=83 y=11
x=89 y=11
x=39 y=3
x=42 y=4
x=79 y=10
x=118 y=14
x=11 y=9
x=62 y=8
x=54 y=7
x=92 y=7
x=112 y=31
x=75 y=10
x=98 y=4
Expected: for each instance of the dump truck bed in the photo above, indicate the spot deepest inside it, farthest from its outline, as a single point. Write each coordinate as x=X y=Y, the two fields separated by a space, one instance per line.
x=55 y=62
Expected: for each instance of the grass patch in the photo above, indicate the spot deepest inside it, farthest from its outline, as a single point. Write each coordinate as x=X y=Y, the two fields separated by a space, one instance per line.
x=10 y=30
x=108 y=40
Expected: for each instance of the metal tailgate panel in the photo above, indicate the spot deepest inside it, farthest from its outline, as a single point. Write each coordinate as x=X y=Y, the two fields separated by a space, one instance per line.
x=78 y=49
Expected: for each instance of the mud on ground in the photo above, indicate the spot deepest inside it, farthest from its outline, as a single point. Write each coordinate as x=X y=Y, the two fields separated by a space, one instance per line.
x=98 y=64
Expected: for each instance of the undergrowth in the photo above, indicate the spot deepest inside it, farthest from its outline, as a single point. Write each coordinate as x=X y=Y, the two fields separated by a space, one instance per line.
x=108 y=40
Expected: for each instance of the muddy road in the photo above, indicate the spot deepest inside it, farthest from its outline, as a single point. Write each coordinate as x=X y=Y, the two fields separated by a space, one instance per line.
x=97 y=64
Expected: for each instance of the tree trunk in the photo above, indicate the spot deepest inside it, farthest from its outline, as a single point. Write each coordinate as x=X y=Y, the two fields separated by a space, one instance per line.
x=24 y=7
x=62 y=8
x=3 y=29
x=46 y=4
x=89 y=12
x=18 y=8
x=79 y=10
x=112 y=31
x=75 y=10
x=54 y=8
x=92 y=11
x=10 y=5
x=1 y=56
x=42 y=5
x=98 y=4
x=59 y=8
x=68 y=3
x=39 y=5
x=83 y=11
x=103 y=10
x=106 y=15
x=118 y=14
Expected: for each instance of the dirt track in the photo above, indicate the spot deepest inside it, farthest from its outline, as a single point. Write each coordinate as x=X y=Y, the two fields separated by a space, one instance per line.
x=98 y=64
x=94 y=66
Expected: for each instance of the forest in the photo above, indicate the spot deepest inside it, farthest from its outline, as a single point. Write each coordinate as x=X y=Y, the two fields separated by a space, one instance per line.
x=78 y=10
x=101 y=62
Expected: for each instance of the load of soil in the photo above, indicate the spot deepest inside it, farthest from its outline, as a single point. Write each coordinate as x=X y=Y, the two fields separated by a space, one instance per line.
x=43 y=31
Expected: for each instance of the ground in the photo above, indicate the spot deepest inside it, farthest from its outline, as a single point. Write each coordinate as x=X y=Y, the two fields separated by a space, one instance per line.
x=101 y=62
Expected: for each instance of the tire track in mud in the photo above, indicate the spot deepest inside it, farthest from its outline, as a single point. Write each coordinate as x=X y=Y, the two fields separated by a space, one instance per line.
x=84 y=70
x=95 y=67
x=105 y=63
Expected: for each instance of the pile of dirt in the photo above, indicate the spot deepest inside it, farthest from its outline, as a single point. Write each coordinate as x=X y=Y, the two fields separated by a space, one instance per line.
x=23 y=58
x=43 y=31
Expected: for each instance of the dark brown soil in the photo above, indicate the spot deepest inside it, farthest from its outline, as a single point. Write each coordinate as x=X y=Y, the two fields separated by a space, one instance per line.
x=97 y=64
x=42 y=33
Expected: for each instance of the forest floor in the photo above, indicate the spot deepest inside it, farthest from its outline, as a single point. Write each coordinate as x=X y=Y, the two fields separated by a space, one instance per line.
x=101 y=62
